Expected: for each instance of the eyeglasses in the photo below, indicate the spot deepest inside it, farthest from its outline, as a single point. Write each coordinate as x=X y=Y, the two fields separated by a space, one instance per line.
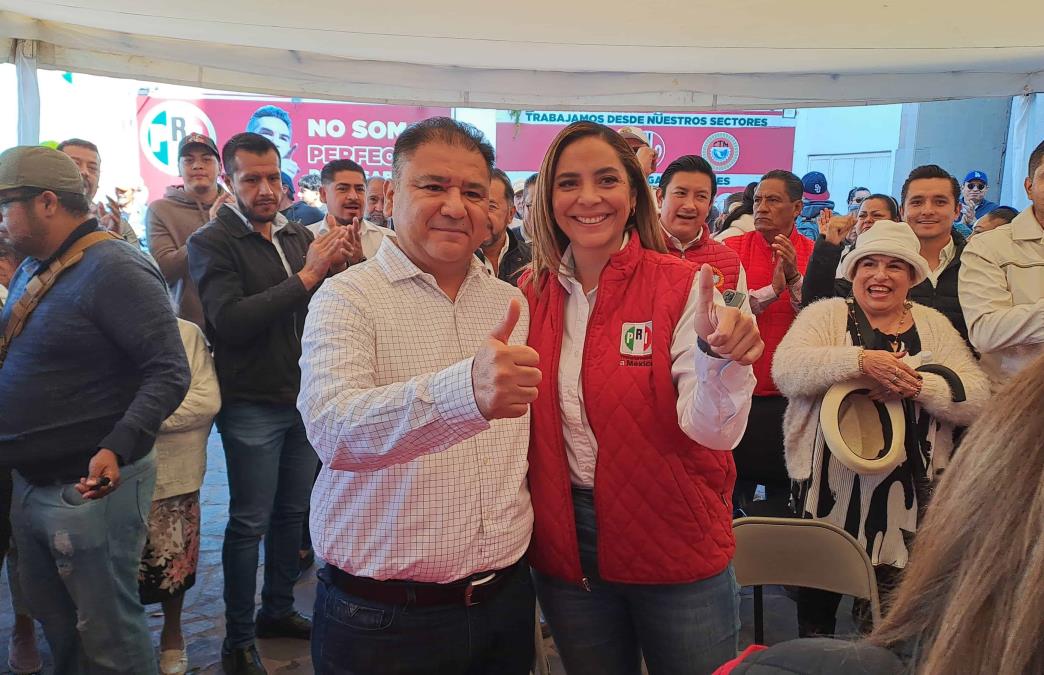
x=24 y=197
x=977 y=186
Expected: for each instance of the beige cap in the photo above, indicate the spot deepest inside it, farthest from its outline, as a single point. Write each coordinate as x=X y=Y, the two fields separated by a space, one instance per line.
x=634 y=133
x=35 y=166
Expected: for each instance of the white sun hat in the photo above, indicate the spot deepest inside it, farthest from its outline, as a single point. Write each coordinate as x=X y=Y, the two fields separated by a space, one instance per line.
x=889 y=238
x=866 y=436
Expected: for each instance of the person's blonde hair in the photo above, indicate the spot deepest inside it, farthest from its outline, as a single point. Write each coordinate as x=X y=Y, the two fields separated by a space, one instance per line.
x=549 y=241
x=972 y=597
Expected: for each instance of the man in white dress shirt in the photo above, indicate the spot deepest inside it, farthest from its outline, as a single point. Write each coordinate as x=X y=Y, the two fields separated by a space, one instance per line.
x=343 y=191
x=416 y=391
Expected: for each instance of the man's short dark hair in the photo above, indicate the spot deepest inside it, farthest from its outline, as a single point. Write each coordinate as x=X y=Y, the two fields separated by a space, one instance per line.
x=509 y=191
x=1004 y=213
x=791 y=183
x=269 y=111
x=689 y=164
x=530 y=182
x=1036 y=159
x=248 y=141
x=931 y=171
x=78 y=143
x=335 y=167
x=440 y=130
x=75 y=203
x=310 y=181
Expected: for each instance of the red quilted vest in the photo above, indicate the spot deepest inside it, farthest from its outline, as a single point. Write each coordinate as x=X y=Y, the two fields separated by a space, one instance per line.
x=755 y=255
x=662 y=500
x=723 y=259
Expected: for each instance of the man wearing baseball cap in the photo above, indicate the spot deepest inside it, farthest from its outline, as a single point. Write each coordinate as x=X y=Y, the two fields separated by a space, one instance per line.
x=816 y=197
x=182 y=210
x=97 y=365
x=639 y=142
x=974 y=204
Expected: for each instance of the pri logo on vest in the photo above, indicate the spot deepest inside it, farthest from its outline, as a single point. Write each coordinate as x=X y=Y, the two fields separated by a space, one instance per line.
x=636 y=341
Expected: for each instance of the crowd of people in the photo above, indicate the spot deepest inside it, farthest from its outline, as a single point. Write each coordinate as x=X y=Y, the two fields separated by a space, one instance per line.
x=464 y=395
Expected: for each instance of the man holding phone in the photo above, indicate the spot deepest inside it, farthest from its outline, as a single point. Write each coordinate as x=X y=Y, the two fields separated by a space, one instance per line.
x=84 y=387
x=182 y=210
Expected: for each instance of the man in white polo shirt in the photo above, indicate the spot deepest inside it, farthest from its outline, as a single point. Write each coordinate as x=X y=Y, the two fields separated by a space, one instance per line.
x=416 y=397
x=1002 y=285
x=343 y=191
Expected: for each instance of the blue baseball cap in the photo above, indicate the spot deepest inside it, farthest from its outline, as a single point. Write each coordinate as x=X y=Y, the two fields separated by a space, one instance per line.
x=815 y=186
x=287 y=180
x=977 y=175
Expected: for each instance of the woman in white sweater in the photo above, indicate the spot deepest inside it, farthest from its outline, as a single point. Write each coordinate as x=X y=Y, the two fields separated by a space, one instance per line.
x=906 y=354
x=168 y=564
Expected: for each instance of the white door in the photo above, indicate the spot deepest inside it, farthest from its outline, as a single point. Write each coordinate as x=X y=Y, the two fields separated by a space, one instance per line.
x=872 y=170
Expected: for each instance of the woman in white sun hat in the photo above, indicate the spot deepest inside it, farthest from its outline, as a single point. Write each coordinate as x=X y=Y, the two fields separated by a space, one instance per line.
x=875 y=385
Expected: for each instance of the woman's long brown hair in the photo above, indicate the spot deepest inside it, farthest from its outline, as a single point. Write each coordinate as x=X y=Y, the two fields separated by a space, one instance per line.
x=972 y=597
x=549 y=241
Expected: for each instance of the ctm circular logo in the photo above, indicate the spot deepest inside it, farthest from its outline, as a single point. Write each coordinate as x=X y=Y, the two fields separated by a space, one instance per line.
x=722 y=150
x=163 y=127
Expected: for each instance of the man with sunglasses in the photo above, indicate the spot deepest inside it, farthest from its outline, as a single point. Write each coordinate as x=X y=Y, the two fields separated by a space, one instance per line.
x=974 y=204
x=97 y=367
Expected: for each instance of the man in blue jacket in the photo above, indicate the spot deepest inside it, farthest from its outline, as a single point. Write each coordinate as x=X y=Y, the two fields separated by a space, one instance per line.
x=98 y=365
x=974 y=204
x=816 y=198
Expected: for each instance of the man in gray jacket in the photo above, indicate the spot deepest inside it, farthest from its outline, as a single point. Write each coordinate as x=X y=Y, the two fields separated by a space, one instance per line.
x=170 y=221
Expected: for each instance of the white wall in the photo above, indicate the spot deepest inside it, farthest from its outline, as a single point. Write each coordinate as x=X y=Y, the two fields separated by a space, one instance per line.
x=846 y=131
x=484 y=119
x=9 y=109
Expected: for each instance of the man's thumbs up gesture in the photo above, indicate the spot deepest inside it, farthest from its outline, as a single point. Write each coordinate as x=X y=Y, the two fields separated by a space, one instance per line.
x=505 y=377
x=730 y=333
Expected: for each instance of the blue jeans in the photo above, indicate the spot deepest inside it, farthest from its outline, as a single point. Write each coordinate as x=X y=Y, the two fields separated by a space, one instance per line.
x=270 y=470
x=678 y=628
x=79 y=570
x=353 y=636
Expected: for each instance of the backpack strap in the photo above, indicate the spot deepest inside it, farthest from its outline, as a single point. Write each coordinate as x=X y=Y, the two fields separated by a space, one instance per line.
x=42 y=282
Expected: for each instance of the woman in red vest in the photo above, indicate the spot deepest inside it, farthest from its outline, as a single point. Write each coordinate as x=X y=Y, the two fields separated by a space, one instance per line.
x=630 y=464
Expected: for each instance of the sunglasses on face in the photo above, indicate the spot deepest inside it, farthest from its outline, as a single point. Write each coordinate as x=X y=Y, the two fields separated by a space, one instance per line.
x=977 y=186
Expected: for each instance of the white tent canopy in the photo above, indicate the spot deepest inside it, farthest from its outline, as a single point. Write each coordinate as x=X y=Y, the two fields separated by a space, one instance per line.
x=659 y=55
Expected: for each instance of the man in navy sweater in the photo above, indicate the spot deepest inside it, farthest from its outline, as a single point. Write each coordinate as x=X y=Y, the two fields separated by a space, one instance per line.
x=98 y=366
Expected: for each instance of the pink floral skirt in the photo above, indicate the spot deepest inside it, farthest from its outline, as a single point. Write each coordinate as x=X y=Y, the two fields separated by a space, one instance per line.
x=168 y=564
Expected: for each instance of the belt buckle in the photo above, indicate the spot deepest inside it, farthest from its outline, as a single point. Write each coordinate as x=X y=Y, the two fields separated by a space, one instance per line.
x=470 y=588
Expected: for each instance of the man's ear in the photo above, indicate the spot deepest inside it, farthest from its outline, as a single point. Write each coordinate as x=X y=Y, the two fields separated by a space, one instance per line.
x=389 y=198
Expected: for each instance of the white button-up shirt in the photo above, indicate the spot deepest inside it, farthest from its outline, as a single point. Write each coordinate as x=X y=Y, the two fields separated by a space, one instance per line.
x=415 y=484
x=713 y=394
x=277 y=224
x=1001 y=284
x=370 y=235
x=946 y=256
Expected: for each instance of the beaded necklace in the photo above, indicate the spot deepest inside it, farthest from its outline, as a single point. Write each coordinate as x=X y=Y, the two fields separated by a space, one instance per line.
x=894 y=339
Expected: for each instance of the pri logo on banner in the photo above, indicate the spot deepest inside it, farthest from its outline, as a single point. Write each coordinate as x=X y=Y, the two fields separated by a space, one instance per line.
x=163 y=127
x=636 y=339
x=722 y=150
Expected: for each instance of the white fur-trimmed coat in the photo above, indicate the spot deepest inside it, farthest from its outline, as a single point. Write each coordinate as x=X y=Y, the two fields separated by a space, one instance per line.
x=815 y=354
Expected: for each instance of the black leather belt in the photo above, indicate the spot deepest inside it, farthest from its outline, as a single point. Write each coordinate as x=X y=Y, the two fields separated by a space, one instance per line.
x=473 y=590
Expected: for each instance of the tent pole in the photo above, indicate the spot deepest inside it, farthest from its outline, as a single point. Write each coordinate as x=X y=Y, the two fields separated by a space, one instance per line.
x=28 y=92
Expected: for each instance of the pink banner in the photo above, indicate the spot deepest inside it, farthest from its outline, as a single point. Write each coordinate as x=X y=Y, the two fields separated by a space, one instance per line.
x=308 y=134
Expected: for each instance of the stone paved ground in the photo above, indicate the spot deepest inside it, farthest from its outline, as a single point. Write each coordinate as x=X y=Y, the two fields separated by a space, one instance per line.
x=203 y=620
